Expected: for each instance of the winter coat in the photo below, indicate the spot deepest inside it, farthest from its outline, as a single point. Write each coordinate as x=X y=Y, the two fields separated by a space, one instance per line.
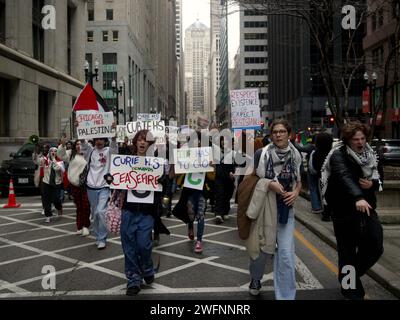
x=343 y=189
x=75 y=167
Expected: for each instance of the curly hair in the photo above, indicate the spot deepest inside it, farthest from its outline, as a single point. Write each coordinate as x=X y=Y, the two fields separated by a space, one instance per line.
x=141 y=135
x=351 y=128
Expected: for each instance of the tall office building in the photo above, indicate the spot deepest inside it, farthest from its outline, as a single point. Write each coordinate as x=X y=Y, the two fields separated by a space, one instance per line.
x=134 y=43
x=41 y=71
x=197 y=51
x=254 y=52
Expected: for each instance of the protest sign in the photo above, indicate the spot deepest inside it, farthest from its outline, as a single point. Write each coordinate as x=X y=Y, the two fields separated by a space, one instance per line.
x=245 y=109
x=121 y=134
x=136 y=196
x=157 y=128
x=93 y=124
x=136 y=173
x=193 y=160
x=148 y=117
x=195 y=181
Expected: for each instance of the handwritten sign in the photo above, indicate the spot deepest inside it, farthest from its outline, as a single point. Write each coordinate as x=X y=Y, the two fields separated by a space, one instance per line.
x=148 y=117
x=157 y=128
x=195 y=181
x=95 y=124
x=193 y=160
x=121 y=134
x=136 y=196
x=136 y=173
x=245 y=109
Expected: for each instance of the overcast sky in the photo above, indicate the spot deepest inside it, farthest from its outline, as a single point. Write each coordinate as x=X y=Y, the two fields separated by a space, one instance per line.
x=200 y=9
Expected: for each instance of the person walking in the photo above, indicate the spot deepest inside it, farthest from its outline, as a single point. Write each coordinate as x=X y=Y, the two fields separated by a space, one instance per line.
x=98 y=191
x=278 y=167
x=53 y=170
x=137 y=223
x=349 y=180
x=76 y=164
x=323 y=145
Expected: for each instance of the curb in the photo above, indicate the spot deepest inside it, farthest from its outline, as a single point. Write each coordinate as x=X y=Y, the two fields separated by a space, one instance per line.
x=379 y=273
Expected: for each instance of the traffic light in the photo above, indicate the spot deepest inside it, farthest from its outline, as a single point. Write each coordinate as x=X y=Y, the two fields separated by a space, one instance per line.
x=331 y=120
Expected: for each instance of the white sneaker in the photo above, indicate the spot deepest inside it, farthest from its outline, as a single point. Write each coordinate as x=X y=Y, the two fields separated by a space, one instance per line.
x=43 y=212
x=101 y=245
x=79 y=232
x=219 y=220
x=48 y=220
x=85 y=232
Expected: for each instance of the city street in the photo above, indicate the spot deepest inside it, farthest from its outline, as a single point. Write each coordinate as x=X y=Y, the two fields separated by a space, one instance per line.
x=28 y=244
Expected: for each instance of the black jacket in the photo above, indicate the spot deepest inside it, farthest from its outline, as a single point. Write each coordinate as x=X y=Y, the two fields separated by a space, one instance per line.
x=343 y=186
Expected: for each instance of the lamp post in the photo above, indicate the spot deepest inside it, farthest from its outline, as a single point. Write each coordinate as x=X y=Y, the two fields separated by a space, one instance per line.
x=371 y=86
x=117 y=91
x=89 y=75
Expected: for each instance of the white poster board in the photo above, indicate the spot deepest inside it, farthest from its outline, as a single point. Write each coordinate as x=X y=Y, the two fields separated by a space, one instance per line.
x=195 y=181
x=156 y=127
x=136 y=173
x=121 y=133
x=193 y=160
x=136 y=196
x=92 y=124
x=245 y=109
x=148 y=117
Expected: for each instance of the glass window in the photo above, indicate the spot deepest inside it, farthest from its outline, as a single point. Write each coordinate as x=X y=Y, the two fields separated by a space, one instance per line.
x=105 y=36
x=90 y=36
x=115 y=35
x=109 y=14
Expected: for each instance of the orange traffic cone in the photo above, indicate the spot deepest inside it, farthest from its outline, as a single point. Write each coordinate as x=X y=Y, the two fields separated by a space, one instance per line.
x=12 y=201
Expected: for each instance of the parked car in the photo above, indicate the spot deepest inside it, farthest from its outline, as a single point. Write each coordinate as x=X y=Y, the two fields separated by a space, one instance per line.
x=388 y=151
x=21 y=169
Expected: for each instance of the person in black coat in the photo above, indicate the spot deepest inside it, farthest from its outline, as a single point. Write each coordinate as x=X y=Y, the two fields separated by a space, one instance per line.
x=350 y=178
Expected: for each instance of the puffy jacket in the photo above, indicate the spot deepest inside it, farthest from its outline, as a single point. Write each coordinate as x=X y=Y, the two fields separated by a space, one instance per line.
x=343 y=186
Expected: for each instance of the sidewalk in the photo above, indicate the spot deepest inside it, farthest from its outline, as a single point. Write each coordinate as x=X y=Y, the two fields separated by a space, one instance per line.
x=386 y=272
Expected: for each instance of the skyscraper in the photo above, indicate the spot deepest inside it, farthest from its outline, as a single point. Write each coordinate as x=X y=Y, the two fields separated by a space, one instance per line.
x=197 y=51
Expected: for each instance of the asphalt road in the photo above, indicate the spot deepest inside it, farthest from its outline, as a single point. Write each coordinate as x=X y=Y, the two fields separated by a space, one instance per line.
x=27 y=245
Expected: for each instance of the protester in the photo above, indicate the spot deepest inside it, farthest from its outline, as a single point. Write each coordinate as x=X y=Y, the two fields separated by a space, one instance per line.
x=53 y=170
x=323 y=144
x=76 y=164
x=39 y=153
x=278 y=166
x=98 y=191
x=350 y=177
x=136 y=227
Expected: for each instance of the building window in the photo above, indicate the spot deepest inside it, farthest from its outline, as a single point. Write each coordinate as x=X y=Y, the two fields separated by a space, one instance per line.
x=70 y=15
x=255 y=24
x=380 y=17
x=90 y=15
x=89 y=36
x=377 y=56
x=43 y=113
x=37 y=30
x=255 y=48
x=4 y=107
x=105 y=36
x=373 y=21
x=255 y=84
x=254 y=60
x=255 y=12
x=255 y=36
x=2 y=21
x=110 y=14
x=256 y=72
x=115 y=35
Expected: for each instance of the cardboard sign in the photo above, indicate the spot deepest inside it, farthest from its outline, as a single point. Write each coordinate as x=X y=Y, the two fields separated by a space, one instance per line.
x=136 y=196
x=136 y=173
x=195 y=181
x=157 y=128
x=245 y=109
x=193 y=160
x=148 y=117
x=95 y=124
x=121 y=134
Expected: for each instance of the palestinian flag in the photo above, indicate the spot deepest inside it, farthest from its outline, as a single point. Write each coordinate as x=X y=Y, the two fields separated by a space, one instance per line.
x=89 y=99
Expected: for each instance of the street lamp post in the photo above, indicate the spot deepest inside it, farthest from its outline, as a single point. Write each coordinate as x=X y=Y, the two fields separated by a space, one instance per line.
x=371 y=86
x=89 y=75
x=117 y=91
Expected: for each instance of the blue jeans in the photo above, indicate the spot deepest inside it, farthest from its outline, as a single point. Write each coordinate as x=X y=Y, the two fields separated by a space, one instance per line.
x=284 y=262
x=313 y=184
x=198 y=203
x=137 y=245
x=98 y=200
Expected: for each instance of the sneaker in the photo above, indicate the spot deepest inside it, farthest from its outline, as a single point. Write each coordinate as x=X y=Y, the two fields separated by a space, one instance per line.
x=219 y=220
x=254 y=287
x=198 y=248
x=48 y=220
x=191 y=233
x=101 y=245
x=60 y=212
x=149 y=280
x=79 y=232
x=43 y=212
x=85 y=232
x=132 y=291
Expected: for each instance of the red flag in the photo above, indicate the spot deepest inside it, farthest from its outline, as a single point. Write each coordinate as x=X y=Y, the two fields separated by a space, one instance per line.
x=365 y=101
x=89 y=99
